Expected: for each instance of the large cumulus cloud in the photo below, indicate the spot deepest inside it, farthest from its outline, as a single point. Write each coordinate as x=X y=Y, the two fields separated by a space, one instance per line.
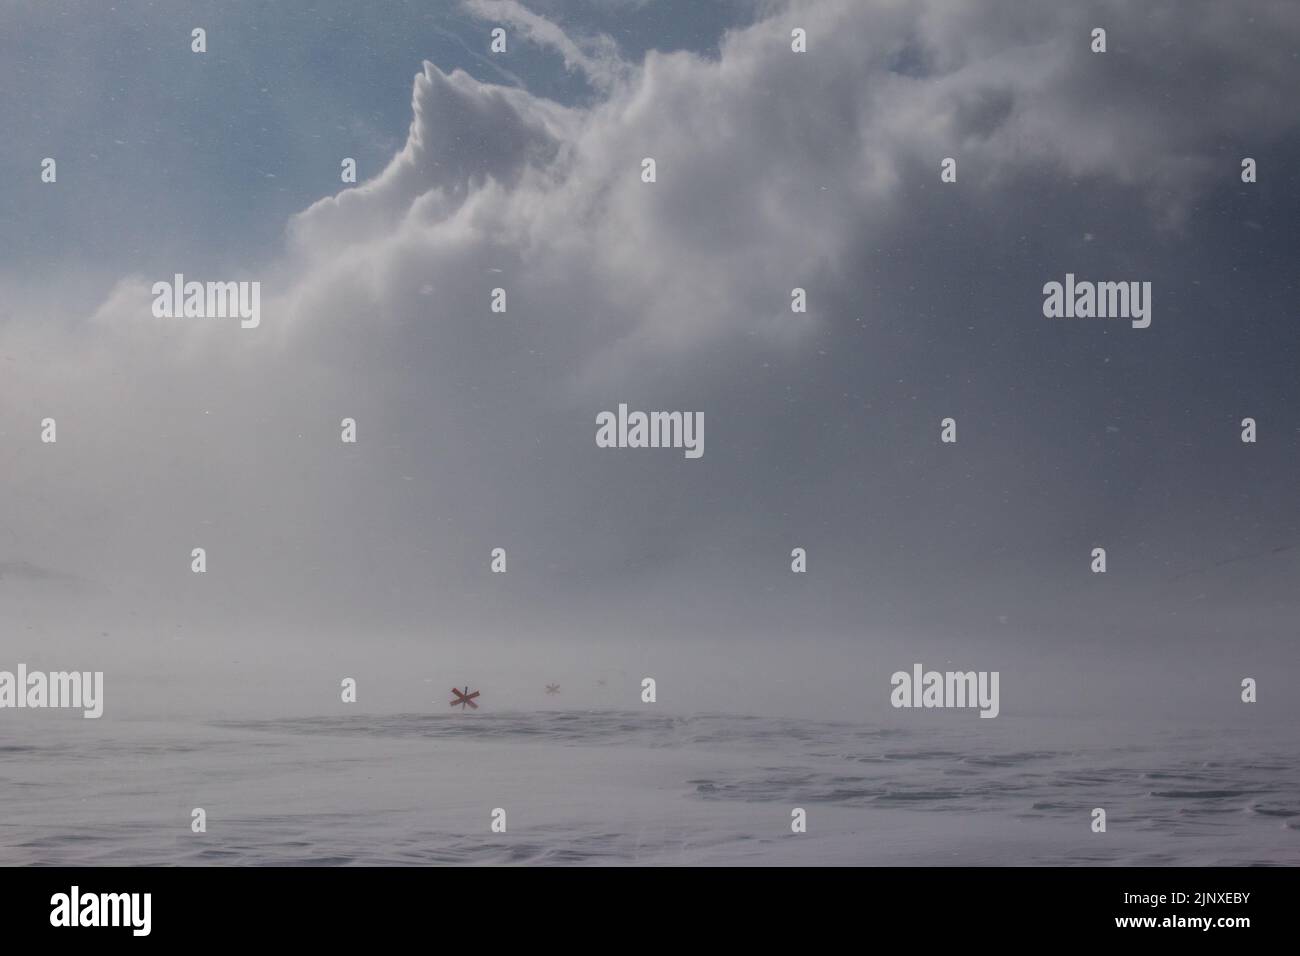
x=775 y=170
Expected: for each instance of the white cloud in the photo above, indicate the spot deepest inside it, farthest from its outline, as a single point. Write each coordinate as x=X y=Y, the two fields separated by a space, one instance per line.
x=596 y=57
x=775 y=170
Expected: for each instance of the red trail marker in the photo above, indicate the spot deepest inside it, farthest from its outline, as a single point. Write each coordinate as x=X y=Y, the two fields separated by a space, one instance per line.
x=464 y=698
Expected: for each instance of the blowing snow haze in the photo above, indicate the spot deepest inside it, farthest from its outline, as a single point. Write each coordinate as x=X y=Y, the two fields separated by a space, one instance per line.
x=476 y=429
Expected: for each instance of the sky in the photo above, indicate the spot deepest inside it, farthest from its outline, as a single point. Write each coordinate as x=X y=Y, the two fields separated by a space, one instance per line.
x=775 y=170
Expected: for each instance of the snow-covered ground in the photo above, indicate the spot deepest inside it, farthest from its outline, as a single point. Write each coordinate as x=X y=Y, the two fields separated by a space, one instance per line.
x=610 y=787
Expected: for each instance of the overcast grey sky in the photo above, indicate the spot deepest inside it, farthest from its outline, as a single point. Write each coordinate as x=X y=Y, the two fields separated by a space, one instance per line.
x=476 y=430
